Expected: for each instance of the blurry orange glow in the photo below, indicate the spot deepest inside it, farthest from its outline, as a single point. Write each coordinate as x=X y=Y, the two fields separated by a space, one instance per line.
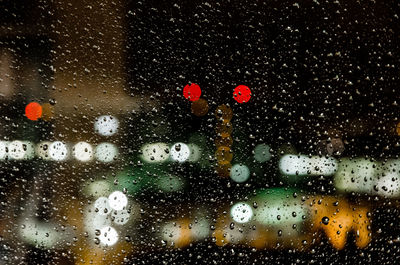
x=184 y=238
x=224 y=112
x=33 y=111
x=48 y=111
x=224 y=127
x=200 y=107
x=343 y=218
x=224 y=153
x=223 y=168
x=224 y=139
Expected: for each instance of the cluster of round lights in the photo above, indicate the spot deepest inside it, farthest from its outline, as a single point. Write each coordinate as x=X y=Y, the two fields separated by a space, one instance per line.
x=105 y=212
x=223 y=140
x=57 y=151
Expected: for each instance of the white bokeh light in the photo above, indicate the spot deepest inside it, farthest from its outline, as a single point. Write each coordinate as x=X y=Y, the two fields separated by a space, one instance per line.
x=171 y=232
x=108 y=236
x=42 y=150
x=102 y=206
x=389 y=185
x=303 y=165
x=294 y=164
x=83 y=151
x=156 y=152
x=241 y=212
x=3 y=150
x=94 y=221
x=39 y=234
x=20 y=150
x=117 y=200
x=239 y=173
x=326 y=166
x=58 y=151
x=106 y=125
x=16 y=150
x=106 y=152
x=120 y=217
x=180 y=152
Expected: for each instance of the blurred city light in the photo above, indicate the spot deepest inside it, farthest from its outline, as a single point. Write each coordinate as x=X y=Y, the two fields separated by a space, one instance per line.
x=117 y=200
x=102 y=206
x=240 y=173
x=3 y=150
x=106 y=152
x=180 y=152
x=106 y=125
x=155 y=153
x=120 y=217
x=58 y=151
x=301 y=165
x=20 y=150
x=83 y=151
x=241 y=212
x=108 y=236
x=262 y=153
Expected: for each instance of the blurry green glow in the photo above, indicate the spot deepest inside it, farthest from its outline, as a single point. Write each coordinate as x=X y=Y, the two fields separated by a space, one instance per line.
x=279 y=207
x=195 y=153
x=262 y=153
x=239 y=173
x=140 y=178
x=170 y=183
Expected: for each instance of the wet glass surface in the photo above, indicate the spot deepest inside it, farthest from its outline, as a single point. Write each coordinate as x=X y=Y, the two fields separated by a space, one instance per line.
x=204 y=132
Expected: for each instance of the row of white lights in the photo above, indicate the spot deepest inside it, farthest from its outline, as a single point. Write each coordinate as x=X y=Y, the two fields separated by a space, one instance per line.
x=57 y=151
x=350 y=175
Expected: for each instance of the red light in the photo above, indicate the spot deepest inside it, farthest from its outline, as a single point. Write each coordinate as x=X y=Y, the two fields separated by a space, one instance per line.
x=33 y=111
x=192 y=92
x=242 y=94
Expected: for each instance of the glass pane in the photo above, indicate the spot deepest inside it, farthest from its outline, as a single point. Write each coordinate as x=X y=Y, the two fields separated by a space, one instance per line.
x=146 y=132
